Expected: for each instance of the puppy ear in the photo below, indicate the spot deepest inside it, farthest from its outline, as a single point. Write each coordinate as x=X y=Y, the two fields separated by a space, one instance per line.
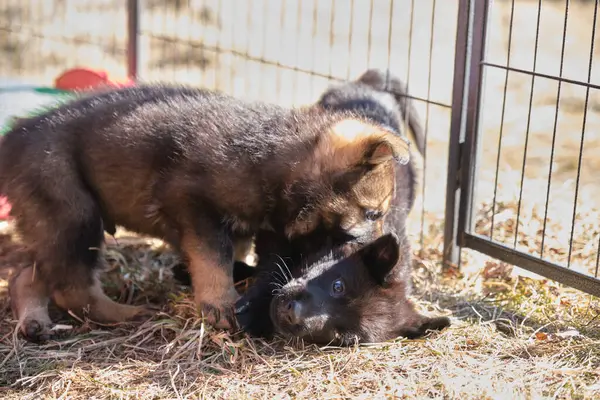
x=387 y=147
x=384 y=81
x=360 y=142
x=381 y=256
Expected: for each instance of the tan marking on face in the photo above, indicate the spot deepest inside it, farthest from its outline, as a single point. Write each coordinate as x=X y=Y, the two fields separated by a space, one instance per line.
x=373 y=191
x=350 y=147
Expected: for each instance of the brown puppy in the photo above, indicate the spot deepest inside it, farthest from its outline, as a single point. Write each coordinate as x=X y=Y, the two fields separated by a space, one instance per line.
x=197 y=168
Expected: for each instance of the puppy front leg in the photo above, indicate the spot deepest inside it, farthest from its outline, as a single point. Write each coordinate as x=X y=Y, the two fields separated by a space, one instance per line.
x=210 y=262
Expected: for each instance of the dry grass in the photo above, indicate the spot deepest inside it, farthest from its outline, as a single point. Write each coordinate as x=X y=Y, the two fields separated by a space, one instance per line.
x=512 y=337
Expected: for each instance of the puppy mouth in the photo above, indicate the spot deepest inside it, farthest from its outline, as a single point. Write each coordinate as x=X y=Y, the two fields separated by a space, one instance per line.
x=305 y=330
x=281 y=326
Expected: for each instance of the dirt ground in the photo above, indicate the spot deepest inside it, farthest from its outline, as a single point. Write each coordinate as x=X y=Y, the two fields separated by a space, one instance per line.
x=514 y=335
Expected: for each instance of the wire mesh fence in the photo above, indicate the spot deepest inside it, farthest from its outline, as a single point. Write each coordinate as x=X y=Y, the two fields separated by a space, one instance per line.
x=285 y=51
x=40 y=39
x=533 y=187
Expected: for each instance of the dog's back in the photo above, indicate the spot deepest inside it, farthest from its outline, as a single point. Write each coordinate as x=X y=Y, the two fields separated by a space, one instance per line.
x=28 y=138
x=381 y=97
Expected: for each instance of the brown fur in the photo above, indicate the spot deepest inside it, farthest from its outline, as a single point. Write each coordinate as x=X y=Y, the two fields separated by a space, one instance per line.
x=199 y=169
x=376 y=312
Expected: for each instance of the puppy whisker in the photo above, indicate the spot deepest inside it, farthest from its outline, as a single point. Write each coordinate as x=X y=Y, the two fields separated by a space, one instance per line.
x=287 y=280
x=286 y=267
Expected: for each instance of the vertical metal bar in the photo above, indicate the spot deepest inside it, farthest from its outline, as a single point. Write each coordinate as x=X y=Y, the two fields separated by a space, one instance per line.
x=313 y=63
x=469 y=153
x=233 y=53
x=584 y=125
x=297 y=75
x=28 y=12
x=510 y=32
x=278 y=72
x=219 y=81
x=350 y=29
x=264 y=47
x=408 y=58
x=132 y=38
x=457 y=119
x=331 y=36
x=407 y=114
x=427 y=116
x=249 y=35
x=188 y=58
x=526 y=145
x=552 y=148
x=370 y=35
x=389 y=46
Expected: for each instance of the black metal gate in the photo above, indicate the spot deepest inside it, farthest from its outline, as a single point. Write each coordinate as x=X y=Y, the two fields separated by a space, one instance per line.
x=471 y=67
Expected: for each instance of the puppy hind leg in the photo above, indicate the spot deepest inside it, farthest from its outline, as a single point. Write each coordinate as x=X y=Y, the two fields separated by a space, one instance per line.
x=91 y=301
x=76 y=252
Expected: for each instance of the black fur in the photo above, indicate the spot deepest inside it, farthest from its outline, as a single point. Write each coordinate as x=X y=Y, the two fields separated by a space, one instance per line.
x=373 y=307
x=367 y=97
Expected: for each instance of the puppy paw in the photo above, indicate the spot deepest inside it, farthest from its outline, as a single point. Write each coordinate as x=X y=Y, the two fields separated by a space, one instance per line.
x=252 y=315
x=220 y=317
x=41 y=331
x=37 y=332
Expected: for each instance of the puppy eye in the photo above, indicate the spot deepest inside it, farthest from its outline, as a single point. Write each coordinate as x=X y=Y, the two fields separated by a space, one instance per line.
x=338 y=288
x=373 y=215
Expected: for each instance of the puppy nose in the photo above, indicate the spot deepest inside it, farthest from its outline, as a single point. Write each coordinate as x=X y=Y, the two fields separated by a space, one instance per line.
x=292 y=312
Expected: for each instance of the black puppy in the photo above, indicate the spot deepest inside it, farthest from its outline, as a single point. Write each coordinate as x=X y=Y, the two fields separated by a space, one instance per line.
x=345 y=291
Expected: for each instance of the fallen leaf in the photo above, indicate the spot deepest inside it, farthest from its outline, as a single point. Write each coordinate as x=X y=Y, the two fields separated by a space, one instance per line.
x=496 y=270
x=564 y=301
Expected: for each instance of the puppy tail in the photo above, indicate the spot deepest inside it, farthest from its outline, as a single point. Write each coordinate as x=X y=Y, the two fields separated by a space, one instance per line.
x=386 y=82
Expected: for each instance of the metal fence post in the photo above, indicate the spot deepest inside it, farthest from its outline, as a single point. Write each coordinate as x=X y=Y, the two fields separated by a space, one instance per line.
x=132 y=38
x=460 y=84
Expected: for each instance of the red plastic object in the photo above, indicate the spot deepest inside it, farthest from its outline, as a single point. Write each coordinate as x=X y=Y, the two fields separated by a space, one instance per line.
x=4 y=209
x=86 y=78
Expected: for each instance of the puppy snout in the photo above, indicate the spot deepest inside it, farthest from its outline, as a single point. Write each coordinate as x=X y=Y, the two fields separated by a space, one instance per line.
x=292 y=312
